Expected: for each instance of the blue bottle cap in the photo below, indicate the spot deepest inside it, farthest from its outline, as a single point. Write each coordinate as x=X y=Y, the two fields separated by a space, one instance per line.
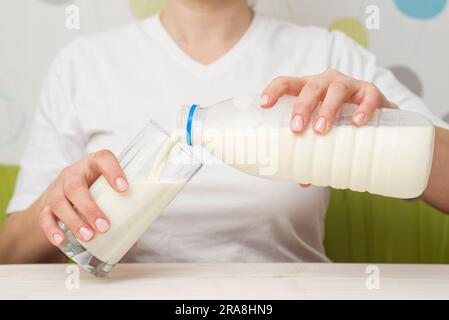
x=189 y=124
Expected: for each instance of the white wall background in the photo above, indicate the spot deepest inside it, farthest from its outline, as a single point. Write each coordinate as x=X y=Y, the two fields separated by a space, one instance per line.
x=412 y=39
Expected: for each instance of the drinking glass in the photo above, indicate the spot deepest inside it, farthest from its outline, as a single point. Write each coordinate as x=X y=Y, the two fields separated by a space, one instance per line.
x=157 y=168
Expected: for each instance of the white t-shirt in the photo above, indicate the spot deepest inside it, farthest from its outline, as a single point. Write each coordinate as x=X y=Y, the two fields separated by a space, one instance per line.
x=102 y=90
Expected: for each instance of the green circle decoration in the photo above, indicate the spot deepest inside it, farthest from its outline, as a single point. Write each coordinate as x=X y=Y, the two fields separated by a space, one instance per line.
x=142 y=9
x=353 y=28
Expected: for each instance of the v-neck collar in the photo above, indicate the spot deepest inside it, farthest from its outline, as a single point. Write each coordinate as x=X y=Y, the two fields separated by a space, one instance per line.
x=153 y=27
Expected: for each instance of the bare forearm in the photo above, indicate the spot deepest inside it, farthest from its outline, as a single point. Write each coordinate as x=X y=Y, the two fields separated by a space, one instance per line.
x=437 y=191
x=23 y=241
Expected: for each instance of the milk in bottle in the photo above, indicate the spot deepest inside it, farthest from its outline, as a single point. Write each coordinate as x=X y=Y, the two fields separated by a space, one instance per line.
x=391 y=155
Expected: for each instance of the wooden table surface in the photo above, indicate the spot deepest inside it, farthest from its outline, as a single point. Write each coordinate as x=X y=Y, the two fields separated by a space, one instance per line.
x=227 y=281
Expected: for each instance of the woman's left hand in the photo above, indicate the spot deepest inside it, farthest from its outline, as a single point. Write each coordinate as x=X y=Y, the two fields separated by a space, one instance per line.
x=332 y=89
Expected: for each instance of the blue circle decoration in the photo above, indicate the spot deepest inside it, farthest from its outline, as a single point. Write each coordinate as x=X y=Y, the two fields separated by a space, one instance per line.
x=421 y=9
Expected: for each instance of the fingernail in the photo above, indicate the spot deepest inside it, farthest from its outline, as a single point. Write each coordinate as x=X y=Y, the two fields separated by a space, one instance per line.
x=57 y=239
x=320 y=125
x=358 y=118
x=121 y=184
x=86 y=233
x=102 y=225
x=297 y=123
x=264 y=100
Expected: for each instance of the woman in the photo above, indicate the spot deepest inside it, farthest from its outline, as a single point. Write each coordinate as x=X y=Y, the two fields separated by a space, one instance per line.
x=102 y=89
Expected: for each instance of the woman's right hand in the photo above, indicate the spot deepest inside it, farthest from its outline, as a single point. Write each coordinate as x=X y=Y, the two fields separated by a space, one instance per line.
x=71 y=190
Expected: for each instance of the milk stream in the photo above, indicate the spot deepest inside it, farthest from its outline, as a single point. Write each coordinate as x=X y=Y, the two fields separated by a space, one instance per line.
x=130 y=213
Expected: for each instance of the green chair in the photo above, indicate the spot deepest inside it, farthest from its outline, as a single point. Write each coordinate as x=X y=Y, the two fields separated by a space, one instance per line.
x=365 y=228
x=359 y=227
x=8 y=176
